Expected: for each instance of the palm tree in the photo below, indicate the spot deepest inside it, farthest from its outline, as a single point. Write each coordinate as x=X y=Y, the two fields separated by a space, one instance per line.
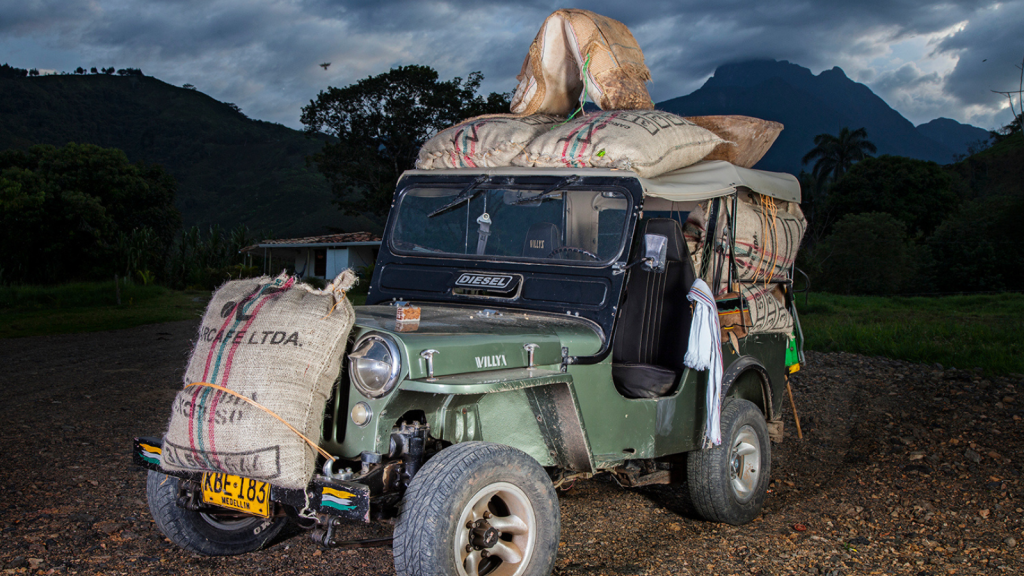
x=835 y=154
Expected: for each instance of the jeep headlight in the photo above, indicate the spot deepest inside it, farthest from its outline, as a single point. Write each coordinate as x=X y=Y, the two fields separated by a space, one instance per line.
x=374 y=364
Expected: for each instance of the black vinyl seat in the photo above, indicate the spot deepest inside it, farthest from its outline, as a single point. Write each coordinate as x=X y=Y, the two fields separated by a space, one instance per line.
x=653 y=327
x=541 y=239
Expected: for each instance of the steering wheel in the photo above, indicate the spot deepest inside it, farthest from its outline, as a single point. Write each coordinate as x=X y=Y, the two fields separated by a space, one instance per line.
x=574 y=250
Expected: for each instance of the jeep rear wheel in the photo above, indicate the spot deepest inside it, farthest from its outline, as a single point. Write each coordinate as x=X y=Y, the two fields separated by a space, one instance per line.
x=478 y=509
x=728 y=482
x=209 y=533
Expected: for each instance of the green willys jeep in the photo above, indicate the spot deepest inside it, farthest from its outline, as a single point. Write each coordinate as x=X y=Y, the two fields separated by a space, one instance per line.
x=553 y=322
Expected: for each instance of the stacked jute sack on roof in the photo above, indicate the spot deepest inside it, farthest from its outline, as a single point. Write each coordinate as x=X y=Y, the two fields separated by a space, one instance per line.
x=267 y=355
x=579 y=55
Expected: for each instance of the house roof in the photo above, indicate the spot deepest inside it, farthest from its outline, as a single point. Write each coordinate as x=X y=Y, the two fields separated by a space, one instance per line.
x=325 y=241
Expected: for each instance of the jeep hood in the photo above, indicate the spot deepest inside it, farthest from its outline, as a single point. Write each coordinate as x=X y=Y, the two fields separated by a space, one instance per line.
x=472 y=339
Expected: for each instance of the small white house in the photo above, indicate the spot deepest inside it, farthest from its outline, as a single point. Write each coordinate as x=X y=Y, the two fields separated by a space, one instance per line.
x=319 y=256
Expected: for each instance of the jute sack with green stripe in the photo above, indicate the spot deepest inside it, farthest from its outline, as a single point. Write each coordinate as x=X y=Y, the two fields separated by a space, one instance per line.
x=279 y=343
x=768 y=235
x=485 y=141
x=648 y=142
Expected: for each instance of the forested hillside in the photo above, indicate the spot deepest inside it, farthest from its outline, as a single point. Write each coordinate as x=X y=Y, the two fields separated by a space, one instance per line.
x=230 y=169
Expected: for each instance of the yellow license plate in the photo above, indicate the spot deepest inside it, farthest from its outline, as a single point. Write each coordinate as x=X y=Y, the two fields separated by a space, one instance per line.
x=237 y=493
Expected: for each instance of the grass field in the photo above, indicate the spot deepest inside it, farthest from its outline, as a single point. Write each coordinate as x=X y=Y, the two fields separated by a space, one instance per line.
x=92 y=306
x=983 y=331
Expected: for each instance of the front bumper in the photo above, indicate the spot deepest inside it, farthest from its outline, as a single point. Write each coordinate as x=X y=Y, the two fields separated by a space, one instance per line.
x=347 y=500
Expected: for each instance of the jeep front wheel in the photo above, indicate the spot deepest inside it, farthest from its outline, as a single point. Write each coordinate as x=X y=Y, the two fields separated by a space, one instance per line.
x=728 y=482
x=209 y=533
x=478 y=509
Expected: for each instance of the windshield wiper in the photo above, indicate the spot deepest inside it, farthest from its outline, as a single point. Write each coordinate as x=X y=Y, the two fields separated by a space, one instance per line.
x=558 y=187
x=467 y=194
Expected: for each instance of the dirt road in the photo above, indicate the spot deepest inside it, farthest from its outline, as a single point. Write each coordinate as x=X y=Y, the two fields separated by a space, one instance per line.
x=903 y=469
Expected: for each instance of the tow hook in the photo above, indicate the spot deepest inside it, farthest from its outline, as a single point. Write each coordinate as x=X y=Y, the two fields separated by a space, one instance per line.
x=326 y=529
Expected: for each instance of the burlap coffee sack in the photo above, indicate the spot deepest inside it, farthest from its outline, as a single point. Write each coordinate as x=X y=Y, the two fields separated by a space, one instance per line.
x=767 y=308
x=768 y=235
x=648 y=142
x=694 y=231
x=551 y=79
x=279 y=343
x=482 y=142
x=747 y=139
x=616 y=73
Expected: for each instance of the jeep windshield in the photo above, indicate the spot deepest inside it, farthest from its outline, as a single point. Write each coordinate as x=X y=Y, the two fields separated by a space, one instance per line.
x=552 y=223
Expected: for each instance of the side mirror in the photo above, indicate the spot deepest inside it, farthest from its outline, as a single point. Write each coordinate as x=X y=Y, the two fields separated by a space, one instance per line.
x=655 y=252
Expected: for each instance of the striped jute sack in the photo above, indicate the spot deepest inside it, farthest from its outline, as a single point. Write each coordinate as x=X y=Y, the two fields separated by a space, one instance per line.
x=648 y=142
x=483 y=142
x=570 y=42
x=767 y=306
x=768 y=235
x=278 y=343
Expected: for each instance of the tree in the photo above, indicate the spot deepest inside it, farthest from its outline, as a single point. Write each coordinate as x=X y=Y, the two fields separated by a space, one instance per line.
x=62 y=210
x=12 y=72
x=867 y=254
x=1016 y=126
x=835 y=155
x=79 y=70
x=976 y=248
x=919 y=194
x=93 y=70
x=1018 y=117
x=380 y=123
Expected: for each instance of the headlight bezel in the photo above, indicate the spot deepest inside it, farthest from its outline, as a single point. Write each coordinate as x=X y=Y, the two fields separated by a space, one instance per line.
x=395 y=367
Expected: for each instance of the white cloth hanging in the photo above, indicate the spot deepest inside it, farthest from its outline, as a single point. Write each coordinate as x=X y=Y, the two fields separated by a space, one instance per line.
x=704 y=352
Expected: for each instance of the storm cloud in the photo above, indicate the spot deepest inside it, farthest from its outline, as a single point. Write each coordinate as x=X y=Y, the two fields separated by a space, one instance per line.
x=926 y=59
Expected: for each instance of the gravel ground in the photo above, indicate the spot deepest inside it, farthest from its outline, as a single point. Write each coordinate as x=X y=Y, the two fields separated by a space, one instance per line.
x=903 y=469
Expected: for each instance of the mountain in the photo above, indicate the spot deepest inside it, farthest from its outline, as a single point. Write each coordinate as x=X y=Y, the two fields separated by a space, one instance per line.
x=230 y=169
x=807 y=105
x=954 y=135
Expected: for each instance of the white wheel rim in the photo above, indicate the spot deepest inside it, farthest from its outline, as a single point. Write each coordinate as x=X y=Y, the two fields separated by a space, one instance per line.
x=506 y=508
x=744 y=463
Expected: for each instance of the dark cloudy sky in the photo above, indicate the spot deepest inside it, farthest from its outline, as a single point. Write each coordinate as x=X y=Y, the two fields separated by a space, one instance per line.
x=926 y=59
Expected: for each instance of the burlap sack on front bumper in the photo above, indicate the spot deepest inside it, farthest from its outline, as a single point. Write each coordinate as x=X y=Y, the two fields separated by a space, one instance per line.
x=648 y=142
x=278 y=342
x=569 y=41
x=747 y=139
x=483 y=142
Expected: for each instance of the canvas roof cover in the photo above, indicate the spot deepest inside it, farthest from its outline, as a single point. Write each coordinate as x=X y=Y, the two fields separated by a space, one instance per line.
x=694 y=183
x=705 y=180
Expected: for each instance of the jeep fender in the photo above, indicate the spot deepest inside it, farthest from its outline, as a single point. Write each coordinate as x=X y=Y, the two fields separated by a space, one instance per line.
x=748 y=379
x=542 y=420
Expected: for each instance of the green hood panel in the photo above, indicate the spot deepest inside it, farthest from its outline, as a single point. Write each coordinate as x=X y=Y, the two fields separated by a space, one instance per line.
x=468 y=339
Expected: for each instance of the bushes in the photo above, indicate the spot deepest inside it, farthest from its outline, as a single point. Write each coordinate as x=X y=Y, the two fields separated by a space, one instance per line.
x=70 y=213
x=900 y=226
x=207 y=262
x=867 y=254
